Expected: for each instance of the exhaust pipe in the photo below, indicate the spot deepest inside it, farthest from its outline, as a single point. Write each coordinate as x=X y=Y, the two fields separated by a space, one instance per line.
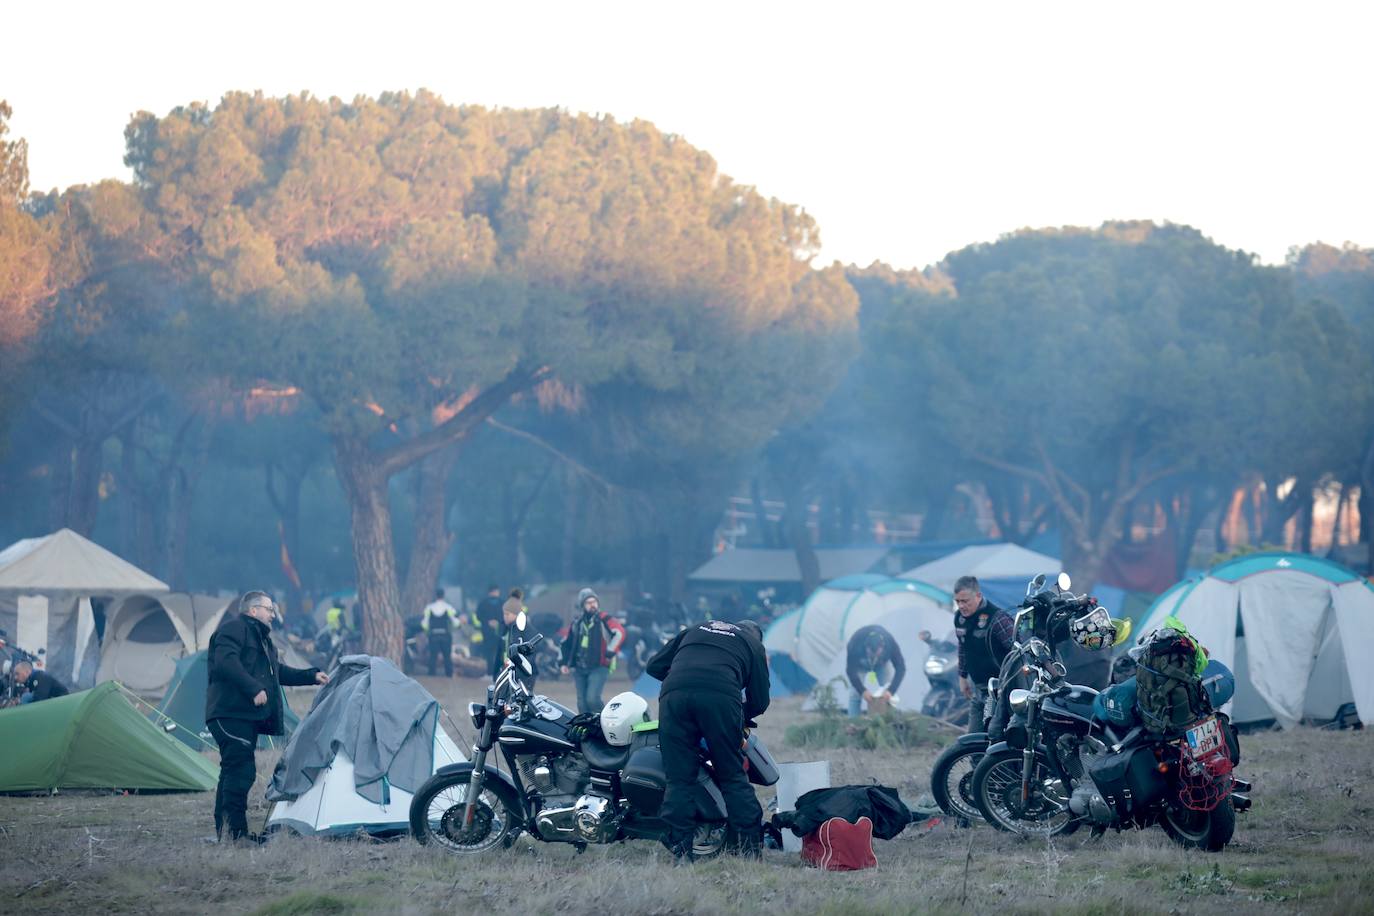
x=1240 y=802
x=1241 y=785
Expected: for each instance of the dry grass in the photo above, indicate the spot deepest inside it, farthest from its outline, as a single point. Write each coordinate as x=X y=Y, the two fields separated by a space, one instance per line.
x=1304 y=848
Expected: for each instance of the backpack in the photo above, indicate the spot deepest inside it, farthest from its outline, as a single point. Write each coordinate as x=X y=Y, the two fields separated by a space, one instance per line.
x=881 y=806
x=1169 y=692
x=838 y=845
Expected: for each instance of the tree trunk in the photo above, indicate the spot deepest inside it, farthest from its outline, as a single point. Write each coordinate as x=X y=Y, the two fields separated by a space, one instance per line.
x=799 y=538
x=1342 y=491
x=374 y=551
x=432 y=540
x=80 y=491
x=937 y=506
x=182 y=477
x=761 y=526
x=287 y=505
x=567 y=547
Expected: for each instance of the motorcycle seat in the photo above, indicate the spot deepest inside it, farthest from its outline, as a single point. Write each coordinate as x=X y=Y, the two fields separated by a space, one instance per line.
x=605 y=757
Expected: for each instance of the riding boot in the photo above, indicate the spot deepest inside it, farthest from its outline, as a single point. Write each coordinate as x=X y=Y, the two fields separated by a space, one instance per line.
x=748 y=844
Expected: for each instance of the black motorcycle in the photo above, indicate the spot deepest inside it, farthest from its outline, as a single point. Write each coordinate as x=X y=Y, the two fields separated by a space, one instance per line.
x=1063 y=765
x=1040 y=619
x=563 y=785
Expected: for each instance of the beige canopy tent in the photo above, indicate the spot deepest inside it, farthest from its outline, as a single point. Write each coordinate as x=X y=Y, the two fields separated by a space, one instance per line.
x=46 y=587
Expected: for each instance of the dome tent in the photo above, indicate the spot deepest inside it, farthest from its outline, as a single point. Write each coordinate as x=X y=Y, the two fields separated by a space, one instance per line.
x=840 y=607
x=904 y=609
x=94 y=739
x=145 y=635
x=371 y=739
x=815 y=634
x=1297 y=630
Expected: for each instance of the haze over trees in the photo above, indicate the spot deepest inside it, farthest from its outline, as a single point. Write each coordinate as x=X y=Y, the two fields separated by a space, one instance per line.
x=393 y=341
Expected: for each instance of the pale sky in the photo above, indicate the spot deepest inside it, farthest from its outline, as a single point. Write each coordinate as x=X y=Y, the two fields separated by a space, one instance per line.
x=906 y=129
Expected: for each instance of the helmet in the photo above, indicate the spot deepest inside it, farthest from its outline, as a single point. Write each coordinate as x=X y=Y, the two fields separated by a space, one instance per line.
x=1097 y=629
x=621 y=715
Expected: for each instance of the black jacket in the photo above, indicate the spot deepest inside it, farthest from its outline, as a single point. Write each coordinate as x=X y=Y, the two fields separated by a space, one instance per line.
x=715 y=656
x=857 y=663
x=243 y=661
x=44 y=686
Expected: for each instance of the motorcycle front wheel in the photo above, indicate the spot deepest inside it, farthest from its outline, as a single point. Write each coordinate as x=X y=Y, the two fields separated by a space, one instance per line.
x=951 y=780
x=1207 y=830
x=997 y=791
x=436 y=814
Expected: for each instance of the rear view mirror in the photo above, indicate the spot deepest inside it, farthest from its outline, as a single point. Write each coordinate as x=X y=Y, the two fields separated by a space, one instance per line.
x=520 y=620
x=1064 y=582
x=1036 y=584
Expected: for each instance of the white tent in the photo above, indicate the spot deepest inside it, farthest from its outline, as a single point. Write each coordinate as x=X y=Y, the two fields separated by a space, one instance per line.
x=1298 y=632
x=370 y=741
x=838 y=608
x=146 y=634
x=904 y=609
x=985 y=561
x=333 y=807
x=46 y=586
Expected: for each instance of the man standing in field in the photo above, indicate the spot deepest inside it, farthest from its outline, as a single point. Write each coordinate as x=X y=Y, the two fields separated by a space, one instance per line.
x=986 y=634
x=594 y=638
x=244 y=700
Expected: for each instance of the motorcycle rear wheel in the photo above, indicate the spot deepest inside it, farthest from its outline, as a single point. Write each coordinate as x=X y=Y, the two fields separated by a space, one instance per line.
x=996 y=789
x=1206 y=830
x=951 y=780
x=437 y=807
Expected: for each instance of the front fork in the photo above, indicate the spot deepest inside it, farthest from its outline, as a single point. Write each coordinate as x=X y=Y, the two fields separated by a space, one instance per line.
x=479 y=772
x=1028 y=754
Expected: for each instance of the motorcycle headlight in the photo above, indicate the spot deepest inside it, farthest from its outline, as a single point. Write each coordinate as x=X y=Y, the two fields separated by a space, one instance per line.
x=1018 y=699
x=936 y=665
x=478 y=713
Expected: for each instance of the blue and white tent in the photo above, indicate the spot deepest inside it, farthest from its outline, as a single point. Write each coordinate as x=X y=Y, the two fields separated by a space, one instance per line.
x=1297 y=630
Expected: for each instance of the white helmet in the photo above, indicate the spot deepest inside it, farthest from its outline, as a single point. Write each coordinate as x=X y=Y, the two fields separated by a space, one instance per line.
x=621 y=715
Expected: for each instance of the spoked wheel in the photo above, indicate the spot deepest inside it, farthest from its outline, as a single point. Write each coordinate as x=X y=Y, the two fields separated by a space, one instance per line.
x=1209 y=830
x=997 y=790
x=436 y=815
x=951 y=780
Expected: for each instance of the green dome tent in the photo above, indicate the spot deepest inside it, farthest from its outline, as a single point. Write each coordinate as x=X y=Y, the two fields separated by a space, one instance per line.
x=94 y=740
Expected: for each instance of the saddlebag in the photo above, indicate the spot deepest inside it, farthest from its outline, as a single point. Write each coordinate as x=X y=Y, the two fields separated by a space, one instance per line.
x=1129 y=781
x=642 y=782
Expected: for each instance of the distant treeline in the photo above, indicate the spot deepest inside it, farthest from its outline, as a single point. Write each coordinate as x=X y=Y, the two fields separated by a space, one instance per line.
x=390 y=342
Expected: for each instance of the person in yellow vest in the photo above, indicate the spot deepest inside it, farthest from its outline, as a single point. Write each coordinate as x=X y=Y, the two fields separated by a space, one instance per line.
x=440 y=620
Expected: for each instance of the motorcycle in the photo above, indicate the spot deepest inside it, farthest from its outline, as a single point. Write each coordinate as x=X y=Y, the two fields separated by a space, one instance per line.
x=563 y=786
x=1065 y=763
x=11 y=690
x=943 y=700
x=951 y=778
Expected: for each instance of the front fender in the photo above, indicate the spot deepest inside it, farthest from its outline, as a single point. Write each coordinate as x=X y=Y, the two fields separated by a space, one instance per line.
x=972 y=738
x=998 y=748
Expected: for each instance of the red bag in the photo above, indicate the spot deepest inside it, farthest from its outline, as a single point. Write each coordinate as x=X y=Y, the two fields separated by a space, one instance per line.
x=838 y=845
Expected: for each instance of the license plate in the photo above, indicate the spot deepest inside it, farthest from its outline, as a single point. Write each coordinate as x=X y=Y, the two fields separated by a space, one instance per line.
x=1204 y=737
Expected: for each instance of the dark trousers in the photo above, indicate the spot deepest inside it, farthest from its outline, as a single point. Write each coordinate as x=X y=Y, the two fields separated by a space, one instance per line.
x=441 y=645
x=685 y=717
x=496 y=656
x=237 y=740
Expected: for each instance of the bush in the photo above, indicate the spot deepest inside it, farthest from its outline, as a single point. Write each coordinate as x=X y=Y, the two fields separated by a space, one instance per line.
x=887 y=731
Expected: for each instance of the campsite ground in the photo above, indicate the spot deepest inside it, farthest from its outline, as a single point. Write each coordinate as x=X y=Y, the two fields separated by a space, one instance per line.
x=1306 y=847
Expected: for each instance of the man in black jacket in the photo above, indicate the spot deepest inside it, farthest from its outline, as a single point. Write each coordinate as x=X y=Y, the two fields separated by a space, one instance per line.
x=489 y=612
x=872 y=650
x=35 y=685
x=986 y=634
x=244 y=700
x=704 y=670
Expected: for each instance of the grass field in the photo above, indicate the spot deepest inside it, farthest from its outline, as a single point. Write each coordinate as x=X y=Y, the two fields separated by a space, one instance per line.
x=1306 y=847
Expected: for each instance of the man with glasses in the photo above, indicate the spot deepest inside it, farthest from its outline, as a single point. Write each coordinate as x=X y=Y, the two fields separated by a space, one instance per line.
x=244 y=700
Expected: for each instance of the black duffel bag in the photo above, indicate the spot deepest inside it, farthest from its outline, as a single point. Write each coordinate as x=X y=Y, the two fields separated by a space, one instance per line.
x=880 y=804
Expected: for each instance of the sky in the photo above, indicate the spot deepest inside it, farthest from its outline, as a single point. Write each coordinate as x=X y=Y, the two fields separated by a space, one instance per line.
x=907 y=129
